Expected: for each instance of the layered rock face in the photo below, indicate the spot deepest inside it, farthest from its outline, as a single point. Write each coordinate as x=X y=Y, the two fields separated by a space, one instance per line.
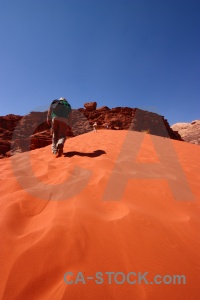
x=190 y=132
x=21 y=134
x=7 y=126
x=120 y=118
x=18 y=134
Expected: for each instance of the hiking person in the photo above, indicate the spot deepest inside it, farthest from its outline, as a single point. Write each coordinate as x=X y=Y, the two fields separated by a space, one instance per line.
x=95 y=127
x=59 y=116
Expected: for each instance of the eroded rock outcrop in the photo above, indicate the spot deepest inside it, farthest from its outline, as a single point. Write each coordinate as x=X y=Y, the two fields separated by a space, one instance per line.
x=120 y=118
x=90 y=106
x=190 y=132
x=19 y=134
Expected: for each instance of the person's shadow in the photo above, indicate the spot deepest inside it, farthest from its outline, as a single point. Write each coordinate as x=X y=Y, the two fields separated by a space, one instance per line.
x=89 y=154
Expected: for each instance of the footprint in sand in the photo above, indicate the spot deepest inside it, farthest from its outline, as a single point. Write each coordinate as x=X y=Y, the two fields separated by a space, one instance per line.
x=114 y=211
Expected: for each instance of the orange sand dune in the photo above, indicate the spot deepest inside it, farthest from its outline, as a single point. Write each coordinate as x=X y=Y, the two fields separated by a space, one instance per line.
x=117 y=201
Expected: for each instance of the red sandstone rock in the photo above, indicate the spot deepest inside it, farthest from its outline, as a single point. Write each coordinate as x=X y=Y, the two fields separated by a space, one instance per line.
x=4 y=146
x=90 y=106
x=26 y=133
x=103 y=108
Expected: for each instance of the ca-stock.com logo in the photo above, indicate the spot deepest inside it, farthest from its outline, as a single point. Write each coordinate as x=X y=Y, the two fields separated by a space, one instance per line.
x=119 y=278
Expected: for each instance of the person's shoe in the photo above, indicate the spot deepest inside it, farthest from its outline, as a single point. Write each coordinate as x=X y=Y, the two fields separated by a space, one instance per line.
x=60 y=151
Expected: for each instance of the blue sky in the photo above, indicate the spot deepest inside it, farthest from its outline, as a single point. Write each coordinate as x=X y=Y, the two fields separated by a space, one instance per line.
x=135 y=53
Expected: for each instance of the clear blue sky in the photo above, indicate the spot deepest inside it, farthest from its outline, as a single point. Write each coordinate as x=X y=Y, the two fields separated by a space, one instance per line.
x=136 y=53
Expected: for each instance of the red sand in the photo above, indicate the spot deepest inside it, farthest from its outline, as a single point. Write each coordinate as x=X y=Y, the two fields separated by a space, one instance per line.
x=57 y=216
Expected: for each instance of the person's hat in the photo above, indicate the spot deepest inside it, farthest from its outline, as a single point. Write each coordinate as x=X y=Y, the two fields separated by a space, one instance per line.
x=62 y=99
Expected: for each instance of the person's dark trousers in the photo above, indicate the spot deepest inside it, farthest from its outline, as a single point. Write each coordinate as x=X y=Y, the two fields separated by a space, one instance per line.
x=59 y=133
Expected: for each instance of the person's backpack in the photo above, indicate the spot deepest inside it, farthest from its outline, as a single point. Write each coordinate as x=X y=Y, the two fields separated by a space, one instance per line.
x=61 y=108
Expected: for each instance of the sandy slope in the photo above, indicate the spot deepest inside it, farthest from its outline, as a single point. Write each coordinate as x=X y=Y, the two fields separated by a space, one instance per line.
x=115 y=202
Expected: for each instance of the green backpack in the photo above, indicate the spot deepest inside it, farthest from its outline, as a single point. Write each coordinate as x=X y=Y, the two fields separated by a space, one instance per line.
x=60 y=108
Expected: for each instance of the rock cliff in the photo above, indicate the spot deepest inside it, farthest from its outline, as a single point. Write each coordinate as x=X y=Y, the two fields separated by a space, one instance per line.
x=190 y=132
x=24 y=133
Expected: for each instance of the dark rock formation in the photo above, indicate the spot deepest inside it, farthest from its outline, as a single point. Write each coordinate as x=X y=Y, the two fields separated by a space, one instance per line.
x=25 y=133
x=19 y=134
x=120 y=118
x=7 y=126
x=153 y=124
x=190 y=132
